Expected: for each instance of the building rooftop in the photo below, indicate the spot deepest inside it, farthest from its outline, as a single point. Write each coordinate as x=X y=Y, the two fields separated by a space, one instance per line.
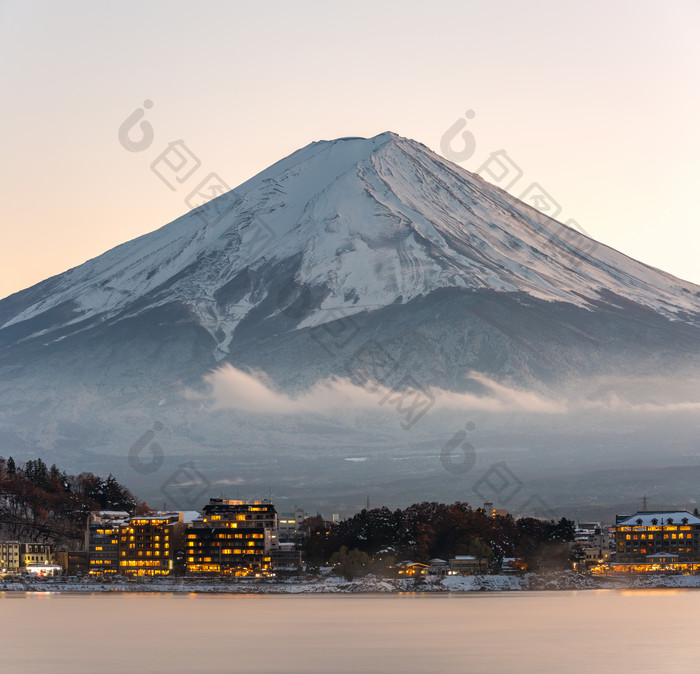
x=188 y=516
x=661 y=517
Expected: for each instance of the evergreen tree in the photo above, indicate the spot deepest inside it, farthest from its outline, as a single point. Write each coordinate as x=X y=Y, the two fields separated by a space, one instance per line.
x=351 y=564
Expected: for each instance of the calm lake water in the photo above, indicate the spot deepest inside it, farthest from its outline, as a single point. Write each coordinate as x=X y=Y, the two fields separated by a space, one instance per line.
x=591 y=631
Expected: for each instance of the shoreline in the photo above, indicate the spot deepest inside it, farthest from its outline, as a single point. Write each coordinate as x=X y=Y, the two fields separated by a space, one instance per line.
x=565 y=581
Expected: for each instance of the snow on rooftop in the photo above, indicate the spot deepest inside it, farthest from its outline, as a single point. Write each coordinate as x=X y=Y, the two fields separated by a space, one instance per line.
x=661 y=517
x=188 y=516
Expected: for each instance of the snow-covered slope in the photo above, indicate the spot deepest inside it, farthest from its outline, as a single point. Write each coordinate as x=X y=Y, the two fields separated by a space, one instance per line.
x=366 y=222
x=343 y=244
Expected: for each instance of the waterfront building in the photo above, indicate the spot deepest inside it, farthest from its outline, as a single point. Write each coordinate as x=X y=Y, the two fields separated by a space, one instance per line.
x=467 y=565
x=73 y=562
x=645 y=534
x=233 y=538
x=286 y=557
x=43 y=569
x=290 y=525
x=34 y=553
x=9 y=556
x=409 y=568
x=103 y=540
x=149 y=544
x=439 y=567
x=595 y=543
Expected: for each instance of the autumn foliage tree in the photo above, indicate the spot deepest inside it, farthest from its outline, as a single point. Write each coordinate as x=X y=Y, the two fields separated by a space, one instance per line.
x=428 y=530
x=42 y=504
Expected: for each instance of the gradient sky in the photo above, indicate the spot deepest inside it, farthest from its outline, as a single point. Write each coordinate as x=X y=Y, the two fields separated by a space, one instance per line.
x=598 y=102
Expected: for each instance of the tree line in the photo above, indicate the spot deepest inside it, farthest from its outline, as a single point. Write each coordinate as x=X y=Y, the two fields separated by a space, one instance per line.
x=44 y=504
x=424 y=531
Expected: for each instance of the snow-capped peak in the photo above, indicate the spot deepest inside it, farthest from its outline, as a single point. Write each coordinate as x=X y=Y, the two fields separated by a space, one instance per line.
x=368 y=222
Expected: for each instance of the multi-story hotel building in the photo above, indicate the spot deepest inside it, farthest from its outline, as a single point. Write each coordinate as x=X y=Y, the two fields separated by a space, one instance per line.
x=641 y=538
x=148 y=544
x=232 y=538
x=103 y=540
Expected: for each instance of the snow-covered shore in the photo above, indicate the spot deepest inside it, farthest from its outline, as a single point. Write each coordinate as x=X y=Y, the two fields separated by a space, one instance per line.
x=335 y=585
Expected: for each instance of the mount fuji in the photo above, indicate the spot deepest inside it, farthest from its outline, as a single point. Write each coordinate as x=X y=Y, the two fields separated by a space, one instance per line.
x=292 y=276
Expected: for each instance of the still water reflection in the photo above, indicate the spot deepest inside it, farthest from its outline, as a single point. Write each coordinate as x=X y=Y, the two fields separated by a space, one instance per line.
x=592 y=631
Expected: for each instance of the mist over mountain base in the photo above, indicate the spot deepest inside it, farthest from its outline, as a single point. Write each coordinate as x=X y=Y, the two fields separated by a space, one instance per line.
x=345 y=324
